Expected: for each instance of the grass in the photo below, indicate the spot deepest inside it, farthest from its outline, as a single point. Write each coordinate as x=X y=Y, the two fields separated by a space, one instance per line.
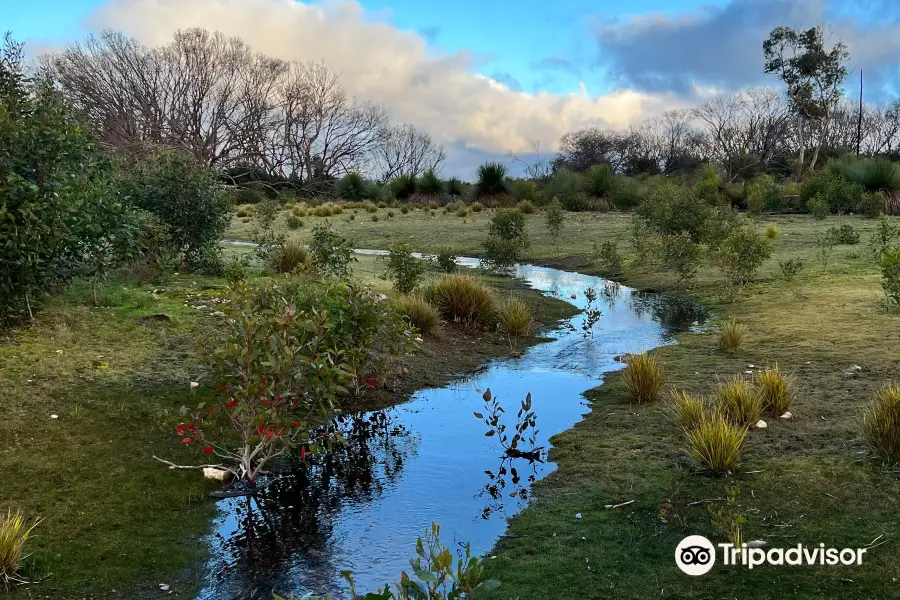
x=686 y=410
x=714 y=443
x=881 y=424
x=514 y=317
x=14 y=533
x=776 y=390
x=418 y=312
x=462 y=298
x=290 y=258
x=732 y=335
x=643 y=378
x=738 y=401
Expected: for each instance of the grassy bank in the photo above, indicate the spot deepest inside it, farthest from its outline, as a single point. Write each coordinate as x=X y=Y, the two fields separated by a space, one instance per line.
x=804 y=480
x=83 y=394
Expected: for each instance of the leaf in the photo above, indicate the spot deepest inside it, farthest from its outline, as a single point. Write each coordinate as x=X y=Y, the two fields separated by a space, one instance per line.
x=479 y=415
x=490 y=433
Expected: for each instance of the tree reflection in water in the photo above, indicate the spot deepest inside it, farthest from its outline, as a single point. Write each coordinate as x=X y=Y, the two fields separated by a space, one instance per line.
x=673 y=314
x=508 y=474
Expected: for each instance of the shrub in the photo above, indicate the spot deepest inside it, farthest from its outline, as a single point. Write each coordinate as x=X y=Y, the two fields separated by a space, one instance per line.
x=824 y=246
x=555 y=217
x=462 y=298
x=626 y=194
x=643 y=377
x=715 y=444
x=14 y=533
x=404 y=209
x=890 y=276
x=404 y=269
x=772 y=231
x=844 y=235
x=430 y=184
x=686 y=410
x=390 y=214
x=526 y=207
x=446 y=259
x=681 y=255
x=598 y=183
x=403 y=187
x=331 y=253
x=671 y=209
x=872 y=204
x=818 y=207
x=883 y=237
x=374 y=218
x=290 y=257
x=248 y=195
x=462 y=212
x=775 y=390
x=722 y=222
x=828 y=190
x=418 y=312
x=477 y=207
x=506 y=239
x=732 y=335
x=790 y=268
x=371 y=208
x=742 y=253
x=526 y=190
x=236 y=270
x=490 y=184
x=298 y=211
x=454 y=187
x=514 y=317
x=608 y=257
x=294 y=222
x=566 y=187
x=881 y=424
x=738 y=401
x=242 y=212
x=353 y=186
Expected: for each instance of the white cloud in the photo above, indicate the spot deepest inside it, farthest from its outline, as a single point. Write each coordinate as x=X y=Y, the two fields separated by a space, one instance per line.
x=419 y=84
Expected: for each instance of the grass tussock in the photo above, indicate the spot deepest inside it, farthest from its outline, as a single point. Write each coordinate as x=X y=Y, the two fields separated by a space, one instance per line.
x=514 y=317
x=732 y=336
x=738 y=401
x=526 y=207
x=772 y=231
x=14 y=533
x=462 y=298
x=686 y=410
x=291 y=257
x=776 y=390
x=715 y=444
x=881 y=424
x=415 y=309
x=644 y=378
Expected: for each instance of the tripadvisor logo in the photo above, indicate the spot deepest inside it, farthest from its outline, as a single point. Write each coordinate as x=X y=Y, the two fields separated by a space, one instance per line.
x=696 y=555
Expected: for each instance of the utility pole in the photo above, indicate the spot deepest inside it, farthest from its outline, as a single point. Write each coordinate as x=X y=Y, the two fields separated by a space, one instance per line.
x=859 y=120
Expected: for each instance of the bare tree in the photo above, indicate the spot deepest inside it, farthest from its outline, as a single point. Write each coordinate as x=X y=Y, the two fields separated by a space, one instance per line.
x=405 y=150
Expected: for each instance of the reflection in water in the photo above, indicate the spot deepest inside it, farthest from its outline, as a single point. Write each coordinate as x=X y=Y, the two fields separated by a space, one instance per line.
x=362 y=507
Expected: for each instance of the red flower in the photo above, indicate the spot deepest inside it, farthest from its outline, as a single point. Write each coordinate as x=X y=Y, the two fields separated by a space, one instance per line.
x=303 y=453
x=260 y=429
x=370 y=382
x=269 y=434
x=186 y=441
x=179 y=430
x=208 y=450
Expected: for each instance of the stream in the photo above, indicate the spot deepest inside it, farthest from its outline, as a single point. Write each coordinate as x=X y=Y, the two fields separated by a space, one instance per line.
x=428 y=459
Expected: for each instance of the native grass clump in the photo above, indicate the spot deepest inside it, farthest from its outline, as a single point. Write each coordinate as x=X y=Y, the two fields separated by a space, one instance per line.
x=732 y=336
x=775 y=389
x=463 y=299
x=418 y=312
x=881 y=424
x=715 y=444
x=15 y=531
x=644 y=378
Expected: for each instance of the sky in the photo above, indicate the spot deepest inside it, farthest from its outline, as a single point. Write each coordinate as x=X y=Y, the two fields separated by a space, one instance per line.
x=488 y=77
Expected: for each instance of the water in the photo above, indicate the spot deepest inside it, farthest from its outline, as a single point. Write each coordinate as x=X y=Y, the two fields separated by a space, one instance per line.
x=429 y=460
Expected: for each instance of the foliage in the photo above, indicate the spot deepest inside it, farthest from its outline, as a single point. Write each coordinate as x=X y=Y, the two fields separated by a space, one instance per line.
x=184 y=195
x=403 y=187
x=890 y=276
x=626 y=193
x=294 y=222
x=881 y=424
x=566 y=187
x=555 y=218
x=824 y=246
x=728 y=520
x=732 y=335
x=738 y=401
x=477 y=207
x=608 y=257
x=772 y=231
x=514 y=319
x=354 y=186
x=873 y=174
x=235 y=270
x=764 y=194
x=643 y=377
x=14 y=534
x=844 y=235
x=454 y=187
x=686 y=410
x=418 y=312
x=526 y=207
x=155 y=259
x=776 y=390
x=268 y=241
x=430 y=184
x=818 y=207
x=331 y=252
x=403 y=268
x=290 y=257
x=462 y=298
x=490 y=183
x=790 y=268
x=524 y=431
x=671 y=210
x=506 y=239
x=827 y=191
x=883 y=238
x=598 y=183
x=742 y=253
x=715 y=444
x=723 y=221
x=681 y=255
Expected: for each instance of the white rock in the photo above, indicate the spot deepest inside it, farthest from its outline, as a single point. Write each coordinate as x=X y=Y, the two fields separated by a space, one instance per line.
x=748 y=372
x=194 y=385
x=164 y=587
x=218 y=313
x=761 y=424
x=216 y=474
x=54 y=416
x=787 y=415
x=756 y=543
x=577 y=515
x=59 y=351
x=751 y=366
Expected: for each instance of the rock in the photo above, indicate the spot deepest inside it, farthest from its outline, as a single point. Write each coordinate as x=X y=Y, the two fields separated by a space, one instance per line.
x=573 y=296
x=853 y=371
x=748 y=372
x=751 y=366
x=787 y=415
x=218 y=313
x=761 y=424
x=164 y=587
x=54 y=416
x=578 y=515
x=756 y=543
x=216 y=474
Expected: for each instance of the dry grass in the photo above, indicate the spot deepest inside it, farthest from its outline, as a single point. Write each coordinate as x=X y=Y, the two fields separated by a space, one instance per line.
x=290 y=258
x=14 y=533
x=738 y=401
x=418 y=312
x=881 y=424
x=644 y=378
x=715 y=444
x=462 y=298
x=776 y=390
x=514 y=317
x=732 y=336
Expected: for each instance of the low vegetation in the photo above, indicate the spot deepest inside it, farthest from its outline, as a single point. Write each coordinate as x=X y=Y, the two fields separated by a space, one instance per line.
x=715 y=444
x=644 y=378
x=881 y=424
x=462 y=298
x=418 y=312
x=732 y=336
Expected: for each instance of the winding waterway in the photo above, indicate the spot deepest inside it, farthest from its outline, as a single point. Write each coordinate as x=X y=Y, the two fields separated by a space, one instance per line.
x=428 y=459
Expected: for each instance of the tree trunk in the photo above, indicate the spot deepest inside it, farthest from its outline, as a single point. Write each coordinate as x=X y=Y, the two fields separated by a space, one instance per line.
x=802 y=159
x=822 y=134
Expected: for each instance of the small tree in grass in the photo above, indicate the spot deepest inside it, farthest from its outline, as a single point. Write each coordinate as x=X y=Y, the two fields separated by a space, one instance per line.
x=403 y=268
x=742 y=253
x=890 y=276
x=556 y=217
x=506 y=239
x=331 y=252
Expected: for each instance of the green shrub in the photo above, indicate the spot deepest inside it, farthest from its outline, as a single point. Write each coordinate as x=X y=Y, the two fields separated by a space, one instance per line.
x=671 y=209
x=566 y=186
x=772 y=231
x=526 y=207
x=462 y=212
x=418 y=312
x=608 y=258
x=506 y=239
x=643 y=377
x=598 y=183
x=883 y=238
x=15 y=530
x=686 y=410
x=404 y=209
x=890 y=276
x=454 y=187
x=371 y=208
x=403 y=187
x=462 y=298
x=290 y=257
x=790 y=268
x=776 y=390
x=390 y=214
x=872 y=204
x=818 y=207
x=722 y=222
x=247 y=195
x=477 y=207
x=353 y=186
x=738 y=401
x=404 y=269
x=294 y=222
x=514 y=317
x=236 y=270
x=526 y=190
x=242 y=212
x=881 y=424
x=844 y=235
x=446 y=259
x=830 y=188
x=555 y=218
x=742 y=253
x=715 y=444
x=626 y=194
x=732 y=335
x=824 y=247
x=429 y=184
x=681 y=255
x=374 y=218
x=490 y=184
x=331 y=253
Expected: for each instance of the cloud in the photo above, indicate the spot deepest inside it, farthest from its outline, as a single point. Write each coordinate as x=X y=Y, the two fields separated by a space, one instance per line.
x=721 y=46
x=421 y=85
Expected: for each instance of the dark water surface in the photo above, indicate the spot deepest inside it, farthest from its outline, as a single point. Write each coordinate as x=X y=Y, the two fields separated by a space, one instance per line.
x=428 y=459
